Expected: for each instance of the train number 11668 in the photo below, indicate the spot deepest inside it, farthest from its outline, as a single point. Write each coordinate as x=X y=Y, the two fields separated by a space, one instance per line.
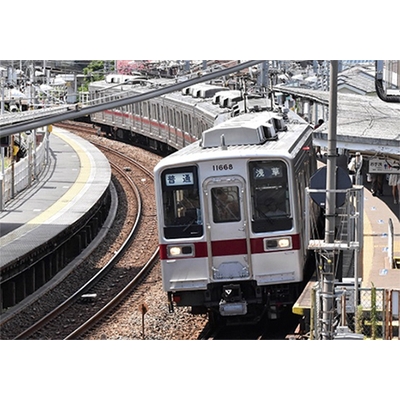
x=222 y=167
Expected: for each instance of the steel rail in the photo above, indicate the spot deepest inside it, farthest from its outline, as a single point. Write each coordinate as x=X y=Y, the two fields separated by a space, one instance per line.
x=115 y=301
x=96 y=278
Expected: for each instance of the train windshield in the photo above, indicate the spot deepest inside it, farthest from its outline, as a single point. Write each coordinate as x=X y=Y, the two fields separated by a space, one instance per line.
x=270 y=196
x=181 y=203
x=225 y=204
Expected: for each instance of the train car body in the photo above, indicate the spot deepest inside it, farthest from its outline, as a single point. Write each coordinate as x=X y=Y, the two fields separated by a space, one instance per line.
x=165 y=123
x=231 y=216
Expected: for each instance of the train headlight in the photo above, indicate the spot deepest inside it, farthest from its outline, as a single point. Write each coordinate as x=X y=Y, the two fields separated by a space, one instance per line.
x=186 y=250
x=282 y=243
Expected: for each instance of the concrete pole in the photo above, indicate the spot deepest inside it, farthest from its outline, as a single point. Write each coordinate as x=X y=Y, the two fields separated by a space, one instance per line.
x=331 y=162
x=328 y=274
x=359 y=237
x=12 y=167
x=262 y=78
x=2 y=94
x=2 y=182
x=34 y=153
x=2 y=157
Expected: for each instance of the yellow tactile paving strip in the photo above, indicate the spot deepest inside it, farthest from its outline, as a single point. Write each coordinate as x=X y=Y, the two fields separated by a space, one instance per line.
x=71 y=195
x=52 y=215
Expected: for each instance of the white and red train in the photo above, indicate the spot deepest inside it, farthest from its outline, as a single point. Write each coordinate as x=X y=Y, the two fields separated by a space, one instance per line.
x=230 y=201
x=231 y=216
x=163 y=124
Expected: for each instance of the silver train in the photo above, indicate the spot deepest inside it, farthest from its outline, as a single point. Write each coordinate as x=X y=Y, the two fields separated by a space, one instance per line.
x=231 y=217
x=230 y=201
x=163 y=124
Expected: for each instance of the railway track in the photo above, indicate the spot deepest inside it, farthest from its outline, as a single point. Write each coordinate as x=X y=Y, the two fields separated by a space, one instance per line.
x=114 y=307
x=113 y=274
x=279 y=329
x=109 y=286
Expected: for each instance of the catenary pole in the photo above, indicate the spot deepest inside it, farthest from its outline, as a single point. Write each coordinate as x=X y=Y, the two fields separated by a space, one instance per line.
x=328 y=273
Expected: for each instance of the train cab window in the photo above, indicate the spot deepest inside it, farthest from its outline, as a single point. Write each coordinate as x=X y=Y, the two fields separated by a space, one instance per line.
x=269 y=196
x=181 y=203
x=225 y=204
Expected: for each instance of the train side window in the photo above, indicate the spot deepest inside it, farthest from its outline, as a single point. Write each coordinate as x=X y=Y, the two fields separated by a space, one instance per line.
x=186 y=124
x=181 y=203
x=269 y=196
x=190 y=125
x=178 y=124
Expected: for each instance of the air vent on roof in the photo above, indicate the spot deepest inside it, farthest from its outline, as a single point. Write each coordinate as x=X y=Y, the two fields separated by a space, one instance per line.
x=227 y=98
x=208 y=91
x=247 y=129
x=216 y=98
x=202 y=90
x=279 y=123
x=269 y=132
x=196 y=92
x=235 y=110
x=232 y=136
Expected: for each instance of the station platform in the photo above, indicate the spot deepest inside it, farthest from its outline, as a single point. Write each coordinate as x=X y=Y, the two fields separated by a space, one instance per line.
x=376 y=268
x=76 y=177
x=376 y=271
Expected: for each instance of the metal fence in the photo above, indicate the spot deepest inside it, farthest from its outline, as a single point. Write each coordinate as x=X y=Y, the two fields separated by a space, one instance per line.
x=21 y=175
x=376 y=317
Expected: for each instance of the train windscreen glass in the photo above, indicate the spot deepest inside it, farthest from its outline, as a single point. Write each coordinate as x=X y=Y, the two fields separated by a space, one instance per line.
x=269 y=196
x=225 y=204
x=181 y=203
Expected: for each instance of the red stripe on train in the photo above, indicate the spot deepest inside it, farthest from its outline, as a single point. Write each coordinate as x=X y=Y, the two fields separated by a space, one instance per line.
x=230 y=247
x=154 y=124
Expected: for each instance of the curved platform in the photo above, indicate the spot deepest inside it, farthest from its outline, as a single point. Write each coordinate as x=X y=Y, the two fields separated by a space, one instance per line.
x=76 y=178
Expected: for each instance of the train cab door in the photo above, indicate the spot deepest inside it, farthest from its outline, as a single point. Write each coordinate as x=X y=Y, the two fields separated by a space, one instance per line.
x=227 y=228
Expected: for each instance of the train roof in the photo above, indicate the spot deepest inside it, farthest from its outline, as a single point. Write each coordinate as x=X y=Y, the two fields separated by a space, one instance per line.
x=288 y=141
x=192 y=98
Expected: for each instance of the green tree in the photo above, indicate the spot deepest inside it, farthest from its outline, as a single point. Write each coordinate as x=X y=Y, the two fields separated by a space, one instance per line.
x=95 y=71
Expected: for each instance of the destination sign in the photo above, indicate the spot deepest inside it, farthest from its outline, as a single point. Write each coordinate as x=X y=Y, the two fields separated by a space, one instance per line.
x=267 y=172
x=179 y=179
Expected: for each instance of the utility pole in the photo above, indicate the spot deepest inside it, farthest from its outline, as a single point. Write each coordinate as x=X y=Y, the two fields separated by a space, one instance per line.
x=262 y=79
x=2 y=84
x=328 y=270
x=2 y=155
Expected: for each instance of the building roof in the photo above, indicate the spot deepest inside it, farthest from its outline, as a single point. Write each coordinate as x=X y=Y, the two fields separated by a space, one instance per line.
x=359 y=79
x=364 y=123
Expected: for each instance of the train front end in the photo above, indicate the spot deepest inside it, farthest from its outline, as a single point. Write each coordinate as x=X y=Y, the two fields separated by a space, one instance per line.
x=230 y=224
